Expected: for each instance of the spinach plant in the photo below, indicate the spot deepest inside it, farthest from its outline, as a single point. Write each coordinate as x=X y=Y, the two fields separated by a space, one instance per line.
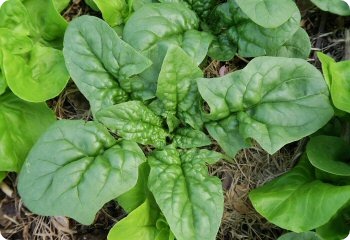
x=144 y=146
x=315 y=195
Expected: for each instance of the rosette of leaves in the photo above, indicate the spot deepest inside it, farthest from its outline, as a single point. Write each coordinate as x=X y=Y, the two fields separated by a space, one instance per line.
x=31 y=61
x=272 y=100
x=257 y=28
x=313 y=195
x=340 y=7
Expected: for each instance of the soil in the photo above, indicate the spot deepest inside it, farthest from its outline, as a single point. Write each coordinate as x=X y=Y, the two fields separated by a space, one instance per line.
x=250 y=168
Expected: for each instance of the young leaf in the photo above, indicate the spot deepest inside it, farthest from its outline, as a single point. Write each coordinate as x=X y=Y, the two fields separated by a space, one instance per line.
x=275 y=100
x=339 y=7
x=134 y=121
x=114 y=11
x=158 y=22
x=189 y=138
x=36 y=76
x=96 y=58
x=79 y=167
x=191 y=200
x=340 y=85
x=329 y=154
x=268 y=13
x=140 y=224
x=21 y=124
x=326 y=61
x=298 y=193
x=177 y=86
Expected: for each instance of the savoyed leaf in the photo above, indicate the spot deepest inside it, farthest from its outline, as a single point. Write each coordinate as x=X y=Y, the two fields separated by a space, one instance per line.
x=196 y=44
x=190 y=138
x=268 y=13
x=191 y=200
x=177 y=86
x=159 y=22
x=134 y=121
x=339 y=7
x=36 y=76
x=329 y=154
x=293 y=201
x=142 y=223
x=79 y=167
x=21 y=124
x=96 y=58
x=275 y=100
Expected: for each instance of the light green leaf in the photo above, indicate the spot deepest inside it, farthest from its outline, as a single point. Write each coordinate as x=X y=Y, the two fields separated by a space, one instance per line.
x=132 y=199
x=329 y=154
x=326 y=61
x=14 y=43
x=226 y=133
x=189 y=138
x=3 y=84
x=60 y=5
x=177 y=86
x=293 y=201
x=339 y=7
x=92 y=4
x=97 y=58
x=159 y=22
x=79 y=167
x=298 y=46
x=300 y=236
x=21 y=124
x=275 y=100
x=114 y=11
x=37 y=76
x=134 y=121
x=191 y=200
x=268 y=13
x=340 y=85
x=140 y=224
x=2 y=176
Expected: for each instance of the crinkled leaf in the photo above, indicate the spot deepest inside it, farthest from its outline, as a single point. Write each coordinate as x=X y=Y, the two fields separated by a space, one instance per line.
x=268 y=13
x=293 y=201
x=79 y=167
x=226 y=133
x=21 y=124
x=158 y=22
x=329 y=154
x=177 y=88
x=113 y=11
x=96 y=58
x=190 y=199
x=190 y=138
x=140 y=224
x=339 y=7
x=275 y=100
x=300 y=236
x=134 y=121
x=222 y=48
x=37 y=76
x=13 y=42
x=298 y=46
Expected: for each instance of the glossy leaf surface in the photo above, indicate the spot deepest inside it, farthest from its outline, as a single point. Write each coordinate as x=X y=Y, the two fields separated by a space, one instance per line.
x=190 y=138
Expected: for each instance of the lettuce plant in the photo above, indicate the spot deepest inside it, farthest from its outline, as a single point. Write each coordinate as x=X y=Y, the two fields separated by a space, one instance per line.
x=31 y=62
